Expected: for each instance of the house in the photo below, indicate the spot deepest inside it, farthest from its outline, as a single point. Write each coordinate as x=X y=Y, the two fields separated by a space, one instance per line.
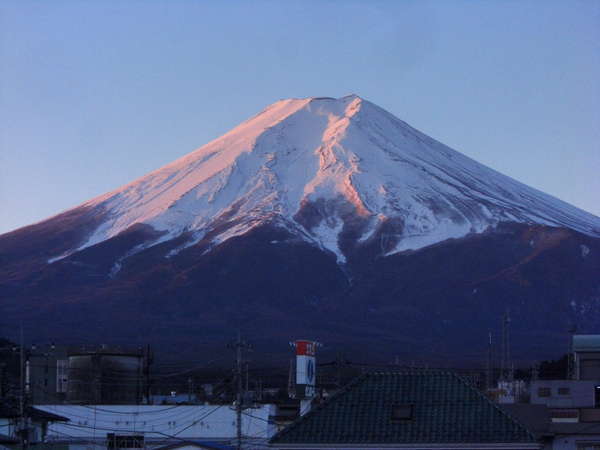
x=33 y=429
x=417 y=409
x=564 y=414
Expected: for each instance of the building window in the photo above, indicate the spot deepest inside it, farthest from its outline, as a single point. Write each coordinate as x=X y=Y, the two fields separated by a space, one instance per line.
x=402 y=413
x=544 y=392
x=564 y=414
x=597 y=396
x=564 y=391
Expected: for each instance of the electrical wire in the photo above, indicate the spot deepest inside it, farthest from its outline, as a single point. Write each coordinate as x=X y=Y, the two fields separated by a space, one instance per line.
x=133 y=412
x=153 y=432
x=159 y=421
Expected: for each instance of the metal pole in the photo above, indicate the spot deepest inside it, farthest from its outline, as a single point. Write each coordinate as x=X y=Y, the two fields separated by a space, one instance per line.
x=238 y=406
x=238 y=346
x=23 y=429
x=489 y=362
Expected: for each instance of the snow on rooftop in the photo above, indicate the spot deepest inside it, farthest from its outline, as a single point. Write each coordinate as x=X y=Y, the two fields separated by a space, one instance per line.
x=158 y=422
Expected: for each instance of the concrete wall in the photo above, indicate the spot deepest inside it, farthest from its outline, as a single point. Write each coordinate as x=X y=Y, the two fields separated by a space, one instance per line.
x=581 y=393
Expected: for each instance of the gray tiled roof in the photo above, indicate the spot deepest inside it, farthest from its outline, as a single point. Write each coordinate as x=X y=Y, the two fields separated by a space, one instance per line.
x=446 y=409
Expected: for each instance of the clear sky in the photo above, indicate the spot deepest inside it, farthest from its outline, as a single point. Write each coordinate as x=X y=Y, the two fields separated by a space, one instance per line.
x=94 y=94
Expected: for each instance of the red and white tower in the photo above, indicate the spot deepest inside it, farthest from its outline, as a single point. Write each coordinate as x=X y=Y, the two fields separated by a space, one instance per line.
x=306 y=369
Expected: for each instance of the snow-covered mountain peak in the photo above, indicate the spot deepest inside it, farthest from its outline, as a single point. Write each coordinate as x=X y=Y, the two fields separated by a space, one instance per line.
x=318 y=166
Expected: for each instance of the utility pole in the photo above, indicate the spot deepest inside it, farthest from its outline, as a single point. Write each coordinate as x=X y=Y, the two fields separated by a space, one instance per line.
x=239 y=345
x=534 y=372
x=23 y=422
x=489 y=362
x=147 y=362
x=570 y=357
x=505 y=360
x=291 y=383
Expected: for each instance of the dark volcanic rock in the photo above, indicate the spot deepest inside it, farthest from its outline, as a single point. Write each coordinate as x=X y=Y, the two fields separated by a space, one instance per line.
x=436 y=304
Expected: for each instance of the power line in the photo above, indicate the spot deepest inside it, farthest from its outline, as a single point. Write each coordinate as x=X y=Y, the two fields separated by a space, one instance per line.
x=144 y=432
x=132 y=412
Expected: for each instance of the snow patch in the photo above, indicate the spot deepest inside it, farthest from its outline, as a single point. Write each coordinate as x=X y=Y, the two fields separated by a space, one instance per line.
x=118 y=265
x=424 y=234
x=197 y=237
x=327 y=235
x=59 y=257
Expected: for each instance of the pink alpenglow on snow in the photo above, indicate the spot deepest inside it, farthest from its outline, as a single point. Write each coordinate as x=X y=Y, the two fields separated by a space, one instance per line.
x=345 y=158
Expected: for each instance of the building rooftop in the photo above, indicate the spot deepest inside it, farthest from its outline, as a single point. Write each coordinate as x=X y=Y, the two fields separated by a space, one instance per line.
x=159 y=422
x=406 y=407
x=12 y=411
x=586 y=343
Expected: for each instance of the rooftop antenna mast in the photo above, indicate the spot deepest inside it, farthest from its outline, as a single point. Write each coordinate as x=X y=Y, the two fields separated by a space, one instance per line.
x=24 y=420
x=505 y=369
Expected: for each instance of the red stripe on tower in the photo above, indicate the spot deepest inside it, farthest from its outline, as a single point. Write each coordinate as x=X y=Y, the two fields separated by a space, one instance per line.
x=305 y=348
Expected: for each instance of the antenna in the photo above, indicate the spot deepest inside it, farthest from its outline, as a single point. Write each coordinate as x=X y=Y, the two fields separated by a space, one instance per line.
x=505 y=370
x=24 y=419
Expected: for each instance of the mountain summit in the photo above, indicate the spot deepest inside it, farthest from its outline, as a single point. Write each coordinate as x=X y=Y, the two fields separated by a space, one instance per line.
x=321 y=167
x=318 y=218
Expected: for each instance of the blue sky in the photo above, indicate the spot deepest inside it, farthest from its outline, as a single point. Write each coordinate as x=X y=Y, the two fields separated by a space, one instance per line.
x=96 y=93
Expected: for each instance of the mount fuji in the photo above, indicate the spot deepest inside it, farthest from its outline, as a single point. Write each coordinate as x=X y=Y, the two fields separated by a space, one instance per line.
x=319 y=217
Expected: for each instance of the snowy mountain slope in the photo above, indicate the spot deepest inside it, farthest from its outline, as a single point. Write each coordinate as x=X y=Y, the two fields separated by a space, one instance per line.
x=232 y=235
x=317 y=167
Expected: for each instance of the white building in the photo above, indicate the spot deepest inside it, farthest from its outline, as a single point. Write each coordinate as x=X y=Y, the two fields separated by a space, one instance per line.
x=150 y=426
